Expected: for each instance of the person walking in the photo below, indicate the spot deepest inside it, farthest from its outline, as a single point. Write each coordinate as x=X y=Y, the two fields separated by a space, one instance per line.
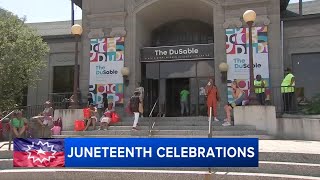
x=141 y=91
x=184 y=94
x=134 y=106
x=212 y=98
x=259 y=88
x=287 y=90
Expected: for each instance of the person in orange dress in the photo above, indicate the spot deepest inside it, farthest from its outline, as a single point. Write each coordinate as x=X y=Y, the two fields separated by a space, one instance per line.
x=212 y=98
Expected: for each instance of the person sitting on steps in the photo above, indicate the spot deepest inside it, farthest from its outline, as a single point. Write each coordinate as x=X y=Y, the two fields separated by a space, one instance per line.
x=238 y=96
x=18 y=124
x=45 y=117
x=93 y=117
x=106 y=118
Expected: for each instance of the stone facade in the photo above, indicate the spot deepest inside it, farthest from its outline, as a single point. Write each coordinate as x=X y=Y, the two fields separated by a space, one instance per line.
x=135 y=19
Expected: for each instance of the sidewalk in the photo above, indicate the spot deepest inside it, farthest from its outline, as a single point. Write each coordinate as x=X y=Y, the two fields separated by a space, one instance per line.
x=290 y=146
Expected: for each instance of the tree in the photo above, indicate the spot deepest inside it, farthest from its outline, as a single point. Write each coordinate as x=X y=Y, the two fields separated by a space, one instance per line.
x=22 y=54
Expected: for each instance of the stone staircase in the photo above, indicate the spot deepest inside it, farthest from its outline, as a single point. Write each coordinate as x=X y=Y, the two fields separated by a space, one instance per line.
x=277 y=159
x=170 y=127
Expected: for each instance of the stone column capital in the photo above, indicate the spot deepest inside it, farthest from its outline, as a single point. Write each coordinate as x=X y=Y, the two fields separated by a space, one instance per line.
x=262 y=20
x=118 y=32
x=232 y=23
x=96 y=33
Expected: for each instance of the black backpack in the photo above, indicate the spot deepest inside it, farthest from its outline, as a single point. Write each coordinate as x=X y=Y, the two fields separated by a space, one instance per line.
x=134 y=102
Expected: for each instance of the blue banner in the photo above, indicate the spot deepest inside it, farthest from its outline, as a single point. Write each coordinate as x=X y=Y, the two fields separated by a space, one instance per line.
x=161 y=152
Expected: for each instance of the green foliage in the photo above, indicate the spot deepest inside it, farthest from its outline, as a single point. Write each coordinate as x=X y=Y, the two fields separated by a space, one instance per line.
x=22 y=54
x=314 y=106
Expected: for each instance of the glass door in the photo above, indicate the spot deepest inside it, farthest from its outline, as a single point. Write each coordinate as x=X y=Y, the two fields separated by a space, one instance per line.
x=151 y=96
x=202 y=100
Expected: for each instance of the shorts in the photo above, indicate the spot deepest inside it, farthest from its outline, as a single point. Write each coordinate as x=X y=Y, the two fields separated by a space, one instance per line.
x=46 y=120
x=237 y=102
x=105 y=120
x=94 y=117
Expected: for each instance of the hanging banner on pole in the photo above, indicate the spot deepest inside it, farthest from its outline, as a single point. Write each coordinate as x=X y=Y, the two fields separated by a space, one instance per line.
x=106 y=62
x=237 y=51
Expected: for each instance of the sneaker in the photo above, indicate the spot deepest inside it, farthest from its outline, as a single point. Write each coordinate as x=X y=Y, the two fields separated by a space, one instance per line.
x=225 y=120
x=226 y=123
x=216 y=119
x=105 y=129
x=134 y=129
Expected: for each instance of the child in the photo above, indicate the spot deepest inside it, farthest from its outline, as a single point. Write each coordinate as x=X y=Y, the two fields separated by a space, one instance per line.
x=106 y=118
x=93 y=117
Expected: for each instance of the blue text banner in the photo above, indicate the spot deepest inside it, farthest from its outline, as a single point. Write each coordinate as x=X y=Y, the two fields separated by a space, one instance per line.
x=161 y=152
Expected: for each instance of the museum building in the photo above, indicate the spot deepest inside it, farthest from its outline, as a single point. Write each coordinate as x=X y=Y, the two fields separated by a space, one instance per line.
x=168 y=45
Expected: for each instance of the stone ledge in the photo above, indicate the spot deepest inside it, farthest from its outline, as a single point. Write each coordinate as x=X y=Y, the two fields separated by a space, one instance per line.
x=295 y=127
x=263 y=117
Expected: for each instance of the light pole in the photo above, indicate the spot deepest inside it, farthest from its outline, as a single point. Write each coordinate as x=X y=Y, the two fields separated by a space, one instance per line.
x=76 y=30
x=249 y=17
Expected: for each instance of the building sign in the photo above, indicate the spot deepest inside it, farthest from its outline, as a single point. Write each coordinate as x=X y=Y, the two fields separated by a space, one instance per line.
x=172 y=53
x=106 y=61
x=237 y=47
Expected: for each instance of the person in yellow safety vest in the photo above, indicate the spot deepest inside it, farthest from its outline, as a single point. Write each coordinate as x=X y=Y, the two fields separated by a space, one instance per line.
x=287 y=90
x=259 y=88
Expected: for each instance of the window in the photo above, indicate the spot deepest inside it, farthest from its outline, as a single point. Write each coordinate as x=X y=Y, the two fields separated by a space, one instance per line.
x=304 y=7
x=63 y=79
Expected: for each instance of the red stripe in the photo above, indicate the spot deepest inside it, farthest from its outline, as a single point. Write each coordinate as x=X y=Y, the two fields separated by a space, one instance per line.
x=20 y=159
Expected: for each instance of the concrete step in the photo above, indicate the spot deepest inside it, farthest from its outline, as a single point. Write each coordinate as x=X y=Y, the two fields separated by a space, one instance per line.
x=128 y=132
x=272 y=167
x=258 y=176
x=186 y=118
x=261 y=137
x=163 y=132
x=158 y=127
x=5 y=154
x=204 y=132
x=290 y=157
x=138 y=174
x=170 y=123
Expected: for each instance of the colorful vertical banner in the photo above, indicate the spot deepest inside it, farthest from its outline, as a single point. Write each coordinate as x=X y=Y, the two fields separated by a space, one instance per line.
x=237 y=50
x=106 y=62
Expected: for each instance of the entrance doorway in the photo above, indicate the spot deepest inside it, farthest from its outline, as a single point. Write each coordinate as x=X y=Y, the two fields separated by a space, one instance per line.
x=173 y=89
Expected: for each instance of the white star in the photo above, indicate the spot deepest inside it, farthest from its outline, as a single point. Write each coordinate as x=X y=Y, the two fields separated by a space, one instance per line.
x=40 y=151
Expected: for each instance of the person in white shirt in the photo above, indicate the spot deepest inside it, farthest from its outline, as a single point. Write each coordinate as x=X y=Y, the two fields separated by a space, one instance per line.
x=140 y=89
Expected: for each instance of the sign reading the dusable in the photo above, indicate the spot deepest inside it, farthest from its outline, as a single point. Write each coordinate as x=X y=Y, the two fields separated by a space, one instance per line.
x=169 y=53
